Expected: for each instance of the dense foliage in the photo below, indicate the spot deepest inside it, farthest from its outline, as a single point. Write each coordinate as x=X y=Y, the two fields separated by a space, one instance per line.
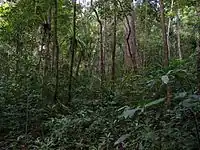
x=45 y=46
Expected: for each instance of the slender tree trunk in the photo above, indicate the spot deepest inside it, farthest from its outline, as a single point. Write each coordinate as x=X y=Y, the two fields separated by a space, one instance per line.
x=47 y=56
x=55 y=98
x=102 y=54
x=168 y=29
x=134 y=41
x=43 y=31
x=198 y=65
x=165 y=44
x=46 y=41
x=198 y=49
x=145 y=37
x=128 y=53
x=166 y=54
x=114 y=42
x=53 y=58
x=101 y=45
x=73 y=48
x=105 y=27
x=131 y=45
x=53 y=52
x=178 y=36
x=128 y=56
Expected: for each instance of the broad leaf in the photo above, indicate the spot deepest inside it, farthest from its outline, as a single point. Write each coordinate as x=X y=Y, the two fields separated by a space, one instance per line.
x=156 y=102
x=190 y=103
x=128 y=113
x=180 y=95
x=121 y=139
x=165 y=79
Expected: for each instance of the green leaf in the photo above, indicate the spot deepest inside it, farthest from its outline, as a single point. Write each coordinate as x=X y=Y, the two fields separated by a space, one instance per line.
x=128 y=113
x=121 y=139
x=156 y=102
x=180 y=95
x=190 y=103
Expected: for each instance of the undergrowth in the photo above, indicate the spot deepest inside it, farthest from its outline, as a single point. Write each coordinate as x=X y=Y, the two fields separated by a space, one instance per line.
x=132 y=115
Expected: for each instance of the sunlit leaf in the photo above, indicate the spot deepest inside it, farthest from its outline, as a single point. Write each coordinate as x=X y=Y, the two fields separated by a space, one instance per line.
x=165 y=79
x=121 y=139
x=128 y=113
x=155 y=102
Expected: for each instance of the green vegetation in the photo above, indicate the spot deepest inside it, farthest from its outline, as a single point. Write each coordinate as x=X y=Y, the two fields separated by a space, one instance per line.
x=108 y=76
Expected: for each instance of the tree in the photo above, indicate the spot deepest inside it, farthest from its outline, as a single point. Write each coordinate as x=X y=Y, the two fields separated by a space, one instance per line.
x=102 y=65
x=56 y=45
x=198 y=48
x=72 y=49
x=166 y=51
x=131 y=49
x=178 y=34
x=169 y=26
x=114 y=41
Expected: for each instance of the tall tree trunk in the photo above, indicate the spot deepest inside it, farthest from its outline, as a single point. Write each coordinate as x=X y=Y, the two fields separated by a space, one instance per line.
x=165 y=44
x=198 y=65
x=57 y=50
x=73 y=48
x=143 y=59
x=133 y=35
x=166 y=54
x=128 y=59
x=102 y=65
x=53 y=52
x=47 y=53
x=105 y=42
x=131 y=45
x=128 y=54
x=198 y=49
x=168 y=29
x=46 y=41
x=114 y=41
x=53 y=58
x=178 y=35
x=102 y=53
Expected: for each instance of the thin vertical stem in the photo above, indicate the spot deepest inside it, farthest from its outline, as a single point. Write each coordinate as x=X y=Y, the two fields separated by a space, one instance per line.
x=168 y=29
x=178 y=35
x=73 y=48
x=166 y=51
x=114 y=42
x=57 y=50
x=198 y=48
